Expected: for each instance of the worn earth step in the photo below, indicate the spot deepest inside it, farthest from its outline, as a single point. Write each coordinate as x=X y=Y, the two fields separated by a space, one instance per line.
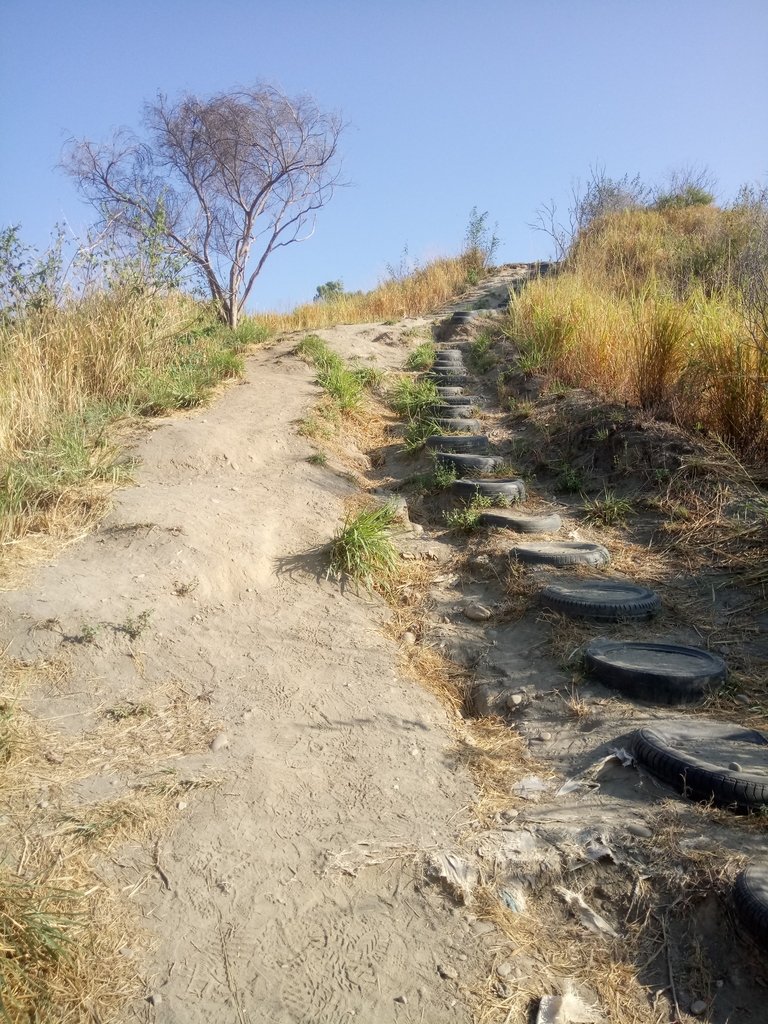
x=521 y=523
x=564 y=552
x=601 y=600
x=456 y=443
x=664 y=673
x=506 y=488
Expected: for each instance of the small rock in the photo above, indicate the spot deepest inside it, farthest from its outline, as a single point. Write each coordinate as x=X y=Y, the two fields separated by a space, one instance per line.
x=477 y=612
x=742 y=698
x=402 y=999
x=155 y=999
x=719 y=983
x=417 y=529
x=54 y=758
x=504 y=970
x=698 y=1007
x=447 y=972
x=219 y=742
x=541 y=737
x=409 y=638
x=515 y=700
x=734 y=766
x=639 y=830
x=181 y=805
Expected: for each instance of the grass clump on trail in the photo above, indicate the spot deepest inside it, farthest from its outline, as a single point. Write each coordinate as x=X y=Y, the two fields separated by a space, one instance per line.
x=410 y=397
x=661 y=305
x=362 y=549
x=422 y=357
x=344 y=386
x=466 y=516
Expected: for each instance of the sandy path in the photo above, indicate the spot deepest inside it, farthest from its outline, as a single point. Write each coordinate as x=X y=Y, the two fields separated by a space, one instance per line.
x=269 y=915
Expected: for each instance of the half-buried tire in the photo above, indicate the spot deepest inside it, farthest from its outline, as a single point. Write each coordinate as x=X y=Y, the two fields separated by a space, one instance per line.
x=459 y=412
x=600 y=600
x=521 y=523
x=750 y=896
x=458 y=423
x=458 y=443
x=449 y=391
x=508 y=489
x=657 y=672
x=469 y=463
x=564 y=552
x=708 y=761
x=458 y=400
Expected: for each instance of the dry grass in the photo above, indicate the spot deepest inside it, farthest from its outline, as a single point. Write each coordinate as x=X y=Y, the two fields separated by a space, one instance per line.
x=63 y=930
x=412 y=295
x=646 y=313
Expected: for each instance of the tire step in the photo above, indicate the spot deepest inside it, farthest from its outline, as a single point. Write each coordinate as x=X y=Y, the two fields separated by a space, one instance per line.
x=662 y=673
x=455 y=412
x=750 y=897
x=464 y=463
x=458 y=423
x=601 y=600
x=509 y=488
x=470 y=443
x=564 y=552
x=521 y=523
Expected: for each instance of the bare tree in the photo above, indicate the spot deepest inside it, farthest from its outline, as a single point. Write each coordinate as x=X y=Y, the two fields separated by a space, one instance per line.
x=222 y=182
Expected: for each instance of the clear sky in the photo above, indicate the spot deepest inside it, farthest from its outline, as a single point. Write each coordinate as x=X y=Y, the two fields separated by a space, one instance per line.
x=450 y=104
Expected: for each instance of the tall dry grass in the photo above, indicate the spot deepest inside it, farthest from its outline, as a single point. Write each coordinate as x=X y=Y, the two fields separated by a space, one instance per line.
x=69 y=371
x=413 y=295
x=647 y=310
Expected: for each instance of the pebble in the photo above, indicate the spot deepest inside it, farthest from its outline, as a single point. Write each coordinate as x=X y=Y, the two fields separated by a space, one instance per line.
x=409 y=638
x=698 y=1007
x=504 y=970
x=515 y=700
x=734 y=766
x=181 y=805
x=542 y=737
x=219 y=742
x=639 y=830
x=448 y=972
x=417 y=529
x=54 y=758
x=477 y=612
x=402 y=999
x=155 y=999
x=742 y=698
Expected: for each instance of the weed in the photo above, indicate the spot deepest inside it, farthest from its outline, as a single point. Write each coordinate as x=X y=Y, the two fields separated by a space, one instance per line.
x=318 y=459
x=443 y=476
x=88 y=633
x=127 y=709
x=422 y=357
x=557 y=388
x=465 y=517
x=417 y=432
x=480 y=358
x=343 y=386
x=362 y=549
x=410 y=397
x=182 y=588
x=133 y=627
x=607 y=509
x=569 y=480
x=521 y=408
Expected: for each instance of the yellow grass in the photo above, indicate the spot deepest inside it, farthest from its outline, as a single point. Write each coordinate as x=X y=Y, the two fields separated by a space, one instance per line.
x=419 y=293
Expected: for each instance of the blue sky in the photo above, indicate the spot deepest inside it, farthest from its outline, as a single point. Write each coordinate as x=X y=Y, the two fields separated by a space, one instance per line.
x=450 y=105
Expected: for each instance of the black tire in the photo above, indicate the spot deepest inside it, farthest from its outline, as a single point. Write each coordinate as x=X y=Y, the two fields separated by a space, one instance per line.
x=463 y=316
x=463 y=463
x=449 y=391
x=448 y=375
x=449 y=353
x=520 y=523
x=750 y=897
x=665 y=752
x=601 y=600
x=512 y=490
x=565 y=552
x=453 y=412
x=657 y=672
x=458 y=443
x=458 y=400
x=455 y=423
x=443 y=359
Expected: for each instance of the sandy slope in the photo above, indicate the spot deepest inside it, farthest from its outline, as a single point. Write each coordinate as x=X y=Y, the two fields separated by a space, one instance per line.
x=332 y=759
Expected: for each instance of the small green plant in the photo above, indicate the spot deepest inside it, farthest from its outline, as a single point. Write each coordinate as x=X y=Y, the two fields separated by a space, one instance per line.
x=443 y=476
x=465 y=516
x=362 y=549
x=318 y=459
x=417 y=432
x=88 y=633
x=134 y=626
x=422 y=357
x=411 y=397
x=569 y=480
x=607 y=509
x=480 y=357
x=557 y=388
x=602 y=434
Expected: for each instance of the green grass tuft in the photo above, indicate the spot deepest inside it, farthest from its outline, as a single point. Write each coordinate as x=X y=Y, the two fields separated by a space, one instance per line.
x=362 y=549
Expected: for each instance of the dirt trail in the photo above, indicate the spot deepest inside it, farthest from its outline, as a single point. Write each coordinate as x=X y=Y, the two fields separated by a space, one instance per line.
x=291 y=894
